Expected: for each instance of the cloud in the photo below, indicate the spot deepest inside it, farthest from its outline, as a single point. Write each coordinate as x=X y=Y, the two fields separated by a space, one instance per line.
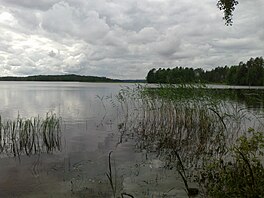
x=30 y=4
x=70 y=21
x=124 y=39
x=145 y=35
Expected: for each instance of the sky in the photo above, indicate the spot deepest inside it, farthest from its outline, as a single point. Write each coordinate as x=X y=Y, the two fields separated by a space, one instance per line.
x=124 y=39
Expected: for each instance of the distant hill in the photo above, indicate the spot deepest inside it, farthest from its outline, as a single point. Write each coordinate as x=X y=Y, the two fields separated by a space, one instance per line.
x=68 y=77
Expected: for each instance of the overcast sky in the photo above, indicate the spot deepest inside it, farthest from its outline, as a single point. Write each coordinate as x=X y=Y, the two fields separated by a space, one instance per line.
x=124 y=38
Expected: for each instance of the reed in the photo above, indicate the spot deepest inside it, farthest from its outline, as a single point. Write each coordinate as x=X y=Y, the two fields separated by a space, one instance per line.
x=185 y=125
x=110 y=176
x=30 y=136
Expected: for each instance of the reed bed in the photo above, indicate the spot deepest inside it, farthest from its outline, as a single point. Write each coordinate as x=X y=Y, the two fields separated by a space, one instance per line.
x=30 y=136
x=162 y=119
x=186 y=126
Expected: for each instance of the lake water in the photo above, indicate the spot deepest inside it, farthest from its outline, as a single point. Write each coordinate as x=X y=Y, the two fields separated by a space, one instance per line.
x=85 y=129
x=89 y=134
x=90 y=126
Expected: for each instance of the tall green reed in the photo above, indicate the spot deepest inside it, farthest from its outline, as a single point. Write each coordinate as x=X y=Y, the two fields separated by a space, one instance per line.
x=30 y=136
x=185 y=123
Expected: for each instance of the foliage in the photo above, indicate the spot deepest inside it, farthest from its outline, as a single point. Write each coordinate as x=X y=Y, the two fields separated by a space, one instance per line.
x=241 y=174
x=175 y=75
x=250 y=73
x=228 y=6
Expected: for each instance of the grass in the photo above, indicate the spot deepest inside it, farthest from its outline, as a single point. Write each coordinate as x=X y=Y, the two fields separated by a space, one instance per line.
x=30 y=136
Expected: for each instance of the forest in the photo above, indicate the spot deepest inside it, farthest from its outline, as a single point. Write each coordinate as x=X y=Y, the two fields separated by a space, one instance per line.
x=69 y=77
x=250 y=73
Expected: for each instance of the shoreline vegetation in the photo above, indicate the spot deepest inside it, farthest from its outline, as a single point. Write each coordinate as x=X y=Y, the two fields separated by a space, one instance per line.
x=250 y=73
x=210 y=139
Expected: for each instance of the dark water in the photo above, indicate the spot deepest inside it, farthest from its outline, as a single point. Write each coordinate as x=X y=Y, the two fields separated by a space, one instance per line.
x=89 y=127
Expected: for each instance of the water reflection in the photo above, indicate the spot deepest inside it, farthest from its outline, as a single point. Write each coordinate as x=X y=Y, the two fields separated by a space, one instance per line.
x=72 y=101
x=251 y=98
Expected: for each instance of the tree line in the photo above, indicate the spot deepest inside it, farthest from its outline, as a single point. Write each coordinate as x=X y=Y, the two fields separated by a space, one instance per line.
x=69 y=77
x=250 y=73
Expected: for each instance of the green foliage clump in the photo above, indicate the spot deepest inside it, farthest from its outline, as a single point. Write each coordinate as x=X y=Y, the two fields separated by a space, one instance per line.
x=228 y=6
x=242 y=174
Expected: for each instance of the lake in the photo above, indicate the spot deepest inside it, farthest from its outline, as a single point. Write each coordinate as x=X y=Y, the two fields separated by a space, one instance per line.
x=90 y=130
x=86 y=136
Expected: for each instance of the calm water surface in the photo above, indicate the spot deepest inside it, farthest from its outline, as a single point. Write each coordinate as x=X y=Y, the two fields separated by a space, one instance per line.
x=89 y=134
x=73 y=101
x=87 y=129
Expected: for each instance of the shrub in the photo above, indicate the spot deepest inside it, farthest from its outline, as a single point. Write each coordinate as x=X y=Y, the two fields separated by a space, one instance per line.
x=241 y=174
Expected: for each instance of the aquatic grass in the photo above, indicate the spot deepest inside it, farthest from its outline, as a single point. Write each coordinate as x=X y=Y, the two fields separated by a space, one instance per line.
x=111 y=178
x=30 y=136
x=187 y=121
x=51 y=128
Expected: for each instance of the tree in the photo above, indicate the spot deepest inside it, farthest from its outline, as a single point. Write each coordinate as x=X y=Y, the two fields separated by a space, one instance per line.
x=242 y=72
x=199 y=74
x=250 y=73
x=151 y=76
x=255 y=71
x=232 y=75
x=228 y=6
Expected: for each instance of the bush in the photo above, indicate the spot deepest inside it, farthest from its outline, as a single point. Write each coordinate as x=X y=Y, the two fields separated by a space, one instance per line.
x=241 y=174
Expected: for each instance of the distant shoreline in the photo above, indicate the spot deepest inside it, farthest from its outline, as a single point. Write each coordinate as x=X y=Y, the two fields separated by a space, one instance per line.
x=67 y=78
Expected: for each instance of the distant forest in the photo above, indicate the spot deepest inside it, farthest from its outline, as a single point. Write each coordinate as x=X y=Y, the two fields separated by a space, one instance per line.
x=250 y=73
x=70 y=77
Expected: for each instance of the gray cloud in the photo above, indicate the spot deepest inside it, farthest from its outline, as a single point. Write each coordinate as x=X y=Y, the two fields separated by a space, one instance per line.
x=66 y=20
x=124 y=39
x=31 y=4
